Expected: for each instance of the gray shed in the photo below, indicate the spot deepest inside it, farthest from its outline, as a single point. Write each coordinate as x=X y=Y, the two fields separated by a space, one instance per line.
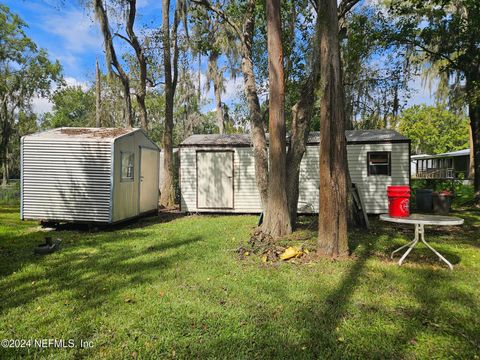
x=217 y=172
x=93 y=175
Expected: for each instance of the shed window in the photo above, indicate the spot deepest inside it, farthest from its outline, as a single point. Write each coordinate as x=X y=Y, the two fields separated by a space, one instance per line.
x=127 y=159
x=379 y=163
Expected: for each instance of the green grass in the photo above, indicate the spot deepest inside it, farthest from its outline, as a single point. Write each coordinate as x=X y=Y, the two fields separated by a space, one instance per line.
x=176 y=289
x=10 y=194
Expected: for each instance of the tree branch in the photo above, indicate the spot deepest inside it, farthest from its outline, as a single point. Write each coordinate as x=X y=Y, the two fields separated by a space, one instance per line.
x=123 y=38
x=345 y=6
x=430 y=51
x=222 y=14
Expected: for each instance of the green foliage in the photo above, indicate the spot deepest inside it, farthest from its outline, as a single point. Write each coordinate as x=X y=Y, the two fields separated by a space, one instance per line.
x=376 y=69
x=72 y=107
x=434 y=130
x=25 y=72
x=445 y=34
x=175 y=288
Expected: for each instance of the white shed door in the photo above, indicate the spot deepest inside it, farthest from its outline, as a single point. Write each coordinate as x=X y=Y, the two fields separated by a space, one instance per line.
x=215 y=179
x=148 y=179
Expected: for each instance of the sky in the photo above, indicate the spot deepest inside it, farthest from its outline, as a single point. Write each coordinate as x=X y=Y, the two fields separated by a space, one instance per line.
x=70 y=34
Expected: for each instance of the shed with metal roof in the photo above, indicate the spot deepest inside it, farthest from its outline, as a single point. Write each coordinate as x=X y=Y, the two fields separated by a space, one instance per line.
x=217 y=172
x=92 y=175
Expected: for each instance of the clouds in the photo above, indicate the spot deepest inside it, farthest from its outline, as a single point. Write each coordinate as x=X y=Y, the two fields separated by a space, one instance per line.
x=71 y=81
x=41 y=105
x=75 y=29
x=423 y=91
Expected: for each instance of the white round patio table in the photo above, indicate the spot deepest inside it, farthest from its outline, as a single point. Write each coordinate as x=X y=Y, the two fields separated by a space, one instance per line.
x=420 y=220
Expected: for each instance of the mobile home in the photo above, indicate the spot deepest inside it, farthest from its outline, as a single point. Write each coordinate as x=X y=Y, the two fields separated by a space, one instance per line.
x=450 y=165
x=217 y=172
x=93 y=175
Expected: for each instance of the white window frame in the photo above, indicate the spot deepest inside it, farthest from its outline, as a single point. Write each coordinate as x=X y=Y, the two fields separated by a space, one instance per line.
x=127 y=178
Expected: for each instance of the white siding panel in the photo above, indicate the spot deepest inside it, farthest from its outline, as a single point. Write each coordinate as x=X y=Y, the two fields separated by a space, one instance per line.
x=372 y=189
x=245 y=197
x=66 y=181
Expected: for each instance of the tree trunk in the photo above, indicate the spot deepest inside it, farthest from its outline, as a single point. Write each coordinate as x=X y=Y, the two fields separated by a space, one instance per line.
x=472 y=85
x=276 y=221
x=217 y=89
x=301 y=117
x=5 y=168
x=474 y=114
x=111 y=60
x=142 y=63
x=199 y=78
x=332 y=228
x=127 y=103
x=167 y=196
x=471 y=166
x=256 y=119
x=98 y=104
x=5 y=139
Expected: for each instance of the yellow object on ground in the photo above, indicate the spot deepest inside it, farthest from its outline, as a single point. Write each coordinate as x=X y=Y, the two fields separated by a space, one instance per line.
x=291 y=252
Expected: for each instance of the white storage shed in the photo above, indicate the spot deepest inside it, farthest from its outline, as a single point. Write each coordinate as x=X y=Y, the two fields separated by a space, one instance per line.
x=92 y=175
x=217 y=172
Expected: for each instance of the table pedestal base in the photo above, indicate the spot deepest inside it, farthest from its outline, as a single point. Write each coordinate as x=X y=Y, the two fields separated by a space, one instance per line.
x=419 y=236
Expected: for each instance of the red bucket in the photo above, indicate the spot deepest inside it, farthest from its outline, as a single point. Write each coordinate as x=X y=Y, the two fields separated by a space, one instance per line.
x=398 y=201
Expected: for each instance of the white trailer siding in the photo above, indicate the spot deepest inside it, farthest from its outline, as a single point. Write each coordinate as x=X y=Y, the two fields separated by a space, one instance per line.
x=66 y=180
x=245 y=193
x=372 y=189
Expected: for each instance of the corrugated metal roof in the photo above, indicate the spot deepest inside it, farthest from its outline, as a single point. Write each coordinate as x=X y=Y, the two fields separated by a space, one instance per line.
x=81 y=134
x=353 y=136
x=464 y=152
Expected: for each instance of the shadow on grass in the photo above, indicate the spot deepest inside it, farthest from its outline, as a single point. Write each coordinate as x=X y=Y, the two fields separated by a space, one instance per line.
x=90 y=270
x=134 y=223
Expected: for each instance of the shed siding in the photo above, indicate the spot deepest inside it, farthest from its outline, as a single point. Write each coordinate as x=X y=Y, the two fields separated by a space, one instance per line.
x=126 y=194
x=66 y=180
x=245 y=194
x=372 y=189
x=309 y=182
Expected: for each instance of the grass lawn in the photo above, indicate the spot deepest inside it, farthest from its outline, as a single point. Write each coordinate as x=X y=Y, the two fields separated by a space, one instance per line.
x=177 y=289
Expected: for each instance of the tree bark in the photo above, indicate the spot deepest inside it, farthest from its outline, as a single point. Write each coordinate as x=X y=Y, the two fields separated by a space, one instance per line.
x=217 y=89
x=5 y=168
x=256 y=118
x=4 y=121
x=472 y=85
x=474 y=114
x=332 y=229
x=276 y=221
x=471 y=166
x=112 y=60
x=98 y=96
x=167 y=196
x=142 y=63
x=302 y=113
